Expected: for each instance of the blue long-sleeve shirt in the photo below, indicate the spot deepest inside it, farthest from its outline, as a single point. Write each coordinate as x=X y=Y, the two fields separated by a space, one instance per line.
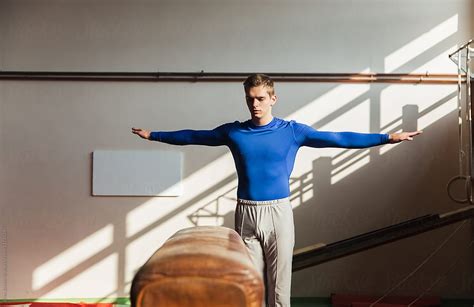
x=264 y=156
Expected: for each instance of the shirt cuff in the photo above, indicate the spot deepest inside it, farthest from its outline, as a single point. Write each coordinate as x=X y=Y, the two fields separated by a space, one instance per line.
x=155 y=136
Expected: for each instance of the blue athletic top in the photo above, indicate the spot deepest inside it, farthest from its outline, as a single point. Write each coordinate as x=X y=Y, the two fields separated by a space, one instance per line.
x=264 y=156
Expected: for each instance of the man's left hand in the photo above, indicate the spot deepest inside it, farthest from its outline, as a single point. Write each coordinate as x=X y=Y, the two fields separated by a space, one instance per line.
x=403 y=136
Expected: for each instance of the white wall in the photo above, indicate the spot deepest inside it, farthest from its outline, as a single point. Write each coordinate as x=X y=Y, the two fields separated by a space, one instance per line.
x=62 y=242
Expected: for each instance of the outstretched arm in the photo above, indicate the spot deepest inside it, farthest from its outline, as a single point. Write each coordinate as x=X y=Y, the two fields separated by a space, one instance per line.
x=213 y=137
x=307 y=136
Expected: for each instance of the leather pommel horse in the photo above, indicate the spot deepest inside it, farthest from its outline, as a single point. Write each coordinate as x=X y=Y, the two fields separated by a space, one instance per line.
x=199 y=266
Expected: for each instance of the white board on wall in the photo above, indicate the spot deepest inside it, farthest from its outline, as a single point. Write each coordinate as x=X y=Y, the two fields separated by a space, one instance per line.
x=136 y=173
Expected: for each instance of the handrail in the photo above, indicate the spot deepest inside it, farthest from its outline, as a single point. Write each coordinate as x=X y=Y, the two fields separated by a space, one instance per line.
x=202 y=76
x=320 y=253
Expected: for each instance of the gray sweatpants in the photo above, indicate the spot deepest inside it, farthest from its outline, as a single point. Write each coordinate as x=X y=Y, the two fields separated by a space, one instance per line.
x=267 y=230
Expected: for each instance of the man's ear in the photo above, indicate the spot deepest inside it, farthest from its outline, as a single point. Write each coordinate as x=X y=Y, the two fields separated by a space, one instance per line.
x=274 y=99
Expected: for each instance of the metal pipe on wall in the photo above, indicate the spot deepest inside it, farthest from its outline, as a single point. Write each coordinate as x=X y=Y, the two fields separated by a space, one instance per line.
x=229 y=77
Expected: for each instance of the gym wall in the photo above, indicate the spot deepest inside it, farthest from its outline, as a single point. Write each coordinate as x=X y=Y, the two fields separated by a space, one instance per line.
x=59 y=241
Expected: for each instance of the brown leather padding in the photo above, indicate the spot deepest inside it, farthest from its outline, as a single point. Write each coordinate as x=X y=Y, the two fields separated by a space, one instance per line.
x=199 y=266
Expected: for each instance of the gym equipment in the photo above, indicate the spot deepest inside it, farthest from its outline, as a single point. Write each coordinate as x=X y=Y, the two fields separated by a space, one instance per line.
x=462 y=58
x=201 y=266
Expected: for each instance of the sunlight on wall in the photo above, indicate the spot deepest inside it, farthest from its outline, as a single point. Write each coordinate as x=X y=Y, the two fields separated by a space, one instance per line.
x=437 y=113
x=356 y=118
x=361 y=114
x=350 y=166
x=322 y=108
x=440 y=63
x=71 y=257
x=99 y=280
x=144 y=244
x=329 y=103
x=301 y=188
x=394 y=97
x=421 y=44
x=193 y=185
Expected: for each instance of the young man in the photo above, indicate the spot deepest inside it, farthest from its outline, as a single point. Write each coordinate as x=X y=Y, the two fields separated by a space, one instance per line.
x=264 y=150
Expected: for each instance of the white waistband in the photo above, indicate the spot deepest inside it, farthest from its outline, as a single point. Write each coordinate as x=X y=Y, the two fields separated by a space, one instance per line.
x=263 y=202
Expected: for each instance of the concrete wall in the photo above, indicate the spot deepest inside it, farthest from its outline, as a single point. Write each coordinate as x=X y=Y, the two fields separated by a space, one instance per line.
x=61 y=242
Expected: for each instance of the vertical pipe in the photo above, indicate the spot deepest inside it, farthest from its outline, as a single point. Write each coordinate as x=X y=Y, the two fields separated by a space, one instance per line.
x=460 y=117
x=469 y=108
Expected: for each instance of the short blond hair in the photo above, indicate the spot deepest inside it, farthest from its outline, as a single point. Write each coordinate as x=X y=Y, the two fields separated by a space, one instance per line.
x=255 y=80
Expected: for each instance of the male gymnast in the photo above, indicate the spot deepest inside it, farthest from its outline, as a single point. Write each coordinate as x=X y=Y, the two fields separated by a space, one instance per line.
x=264 y=150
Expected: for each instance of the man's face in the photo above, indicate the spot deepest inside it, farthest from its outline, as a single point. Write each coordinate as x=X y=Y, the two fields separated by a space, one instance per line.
x=259 y=102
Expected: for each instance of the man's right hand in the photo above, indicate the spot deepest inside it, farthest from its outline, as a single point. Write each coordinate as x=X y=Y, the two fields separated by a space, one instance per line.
x=144 y=134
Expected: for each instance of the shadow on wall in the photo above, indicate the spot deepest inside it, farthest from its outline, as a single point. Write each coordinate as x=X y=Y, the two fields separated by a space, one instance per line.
x=350 y=192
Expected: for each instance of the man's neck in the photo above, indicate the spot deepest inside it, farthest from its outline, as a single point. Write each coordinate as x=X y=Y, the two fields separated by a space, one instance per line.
x=262 y=121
